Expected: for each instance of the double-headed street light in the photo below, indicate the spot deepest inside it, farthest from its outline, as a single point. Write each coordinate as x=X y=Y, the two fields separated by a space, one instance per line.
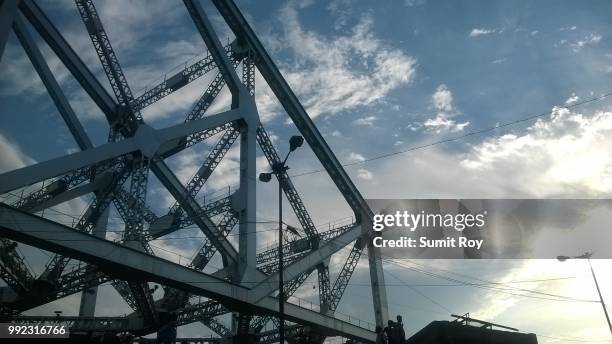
x=587 y=256
x=279 y=168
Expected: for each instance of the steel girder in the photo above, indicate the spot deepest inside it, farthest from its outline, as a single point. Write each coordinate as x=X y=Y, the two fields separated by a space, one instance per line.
x=126 y=121
x=85 y=324
x=242 y=30
x=8 y=12
x=123 y=261
x=177 y=81
x=13 y=269
x=82 y=278
x=69 y=58
x=217 y=327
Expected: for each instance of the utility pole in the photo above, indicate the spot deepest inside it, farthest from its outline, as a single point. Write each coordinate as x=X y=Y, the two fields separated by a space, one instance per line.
x=279 y=168
x=587 y=256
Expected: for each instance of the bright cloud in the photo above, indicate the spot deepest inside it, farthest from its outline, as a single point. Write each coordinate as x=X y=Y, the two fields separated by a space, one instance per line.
x=12 y=156
x=568 y=152
x=589 y=40
x=566 y=155
x=482 y=32
x=355 y=157
x=365 y=174
x=340 y=73
x=365 y=120
x=442 y=99
x=572 y=99
x=442 y=123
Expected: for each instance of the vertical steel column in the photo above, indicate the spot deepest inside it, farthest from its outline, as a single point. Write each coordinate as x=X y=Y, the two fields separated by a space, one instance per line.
x=377 y=279
x=89 y=296
x=247 y=243
x=281 y=297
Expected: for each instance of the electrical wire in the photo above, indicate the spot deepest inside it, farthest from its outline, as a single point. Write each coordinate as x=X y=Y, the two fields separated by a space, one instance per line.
x=488 y=285
x=456 y=138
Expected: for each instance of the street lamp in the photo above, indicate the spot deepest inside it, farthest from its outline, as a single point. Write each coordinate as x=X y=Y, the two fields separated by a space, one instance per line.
x=279 y=168
x=587 y=256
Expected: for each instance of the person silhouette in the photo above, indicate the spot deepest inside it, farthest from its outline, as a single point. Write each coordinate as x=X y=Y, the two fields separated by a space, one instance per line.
x=401 y=334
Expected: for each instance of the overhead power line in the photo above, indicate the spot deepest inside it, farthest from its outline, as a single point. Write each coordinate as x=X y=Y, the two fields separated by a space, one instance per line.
x=460 y=137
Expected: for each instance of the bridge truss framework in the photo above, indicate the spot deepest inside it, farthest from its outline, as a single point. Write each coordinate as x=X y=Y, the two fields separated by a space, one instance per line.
x=117 y=172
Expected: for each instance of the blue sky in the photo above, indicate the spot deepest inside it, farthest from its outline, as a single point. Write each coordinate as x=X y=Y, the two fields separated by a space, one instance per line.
x=378 y=78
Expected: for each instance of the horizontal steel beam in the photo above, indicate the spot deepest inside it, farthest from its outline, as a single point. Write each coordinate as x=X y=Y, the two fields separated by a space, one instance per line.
x=146 y=139
x=124 y=261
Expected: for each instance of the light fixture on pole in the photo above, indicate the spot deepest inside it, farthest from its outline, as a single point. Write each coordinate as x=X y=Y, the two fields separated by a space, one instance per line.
x=587 y=256
x=279 y=168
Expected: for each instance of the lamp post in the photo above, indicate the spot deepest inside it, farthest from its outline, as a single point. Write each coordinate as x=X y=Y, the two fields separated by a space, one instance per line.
x=587 y=256
x=279 y=168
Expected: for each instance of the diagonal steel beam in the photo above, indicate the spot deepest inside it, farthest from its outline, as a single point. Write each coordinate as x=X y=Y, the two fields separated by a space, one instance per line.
x=107 y=57
x=81 y=278
x=217 y=327
x=289 y=289
x=146 y=140
x=70 y=59
x=8 y=12
x=312 y=258
x=289 y=189
x=175 y=298
x=345 y=274
x=299 y=246
x=51 y=84
x=193 y=209
x=213 y=159
x=122 y=260
x=177 y=81
x=168 y=223
x=292 y=106
x=200 y=19
x=86 y=223
x=13 y=269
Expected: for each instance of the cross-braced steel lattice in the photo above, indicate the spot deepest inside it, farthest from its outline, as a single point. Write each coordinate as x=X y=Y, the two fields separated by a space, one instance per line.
x=116 y=174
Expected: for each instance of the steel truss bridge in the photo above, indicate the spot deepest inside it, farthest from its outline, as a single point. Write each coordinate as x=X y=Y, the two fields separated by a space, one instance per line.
x=115 y=174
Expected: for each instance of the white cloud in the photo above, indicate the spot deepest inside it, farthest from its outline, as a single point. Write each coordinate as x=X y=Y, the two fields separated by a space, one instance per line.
x=18 y=75
x=365 y=174
x=355 y=157
x=482 y=32
x=498 y=61
x=442 y=123
x=336 y=133
x=566 y=155
x=340 y=73
x=127 y=23
x=129 y=28
x=442 y=101
x=342 y=10
x=12 y=156
x=572 y=99
x=365 y=121
x=589 y=40
x=569 y=151
x=412 y=3
x=442 y=98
